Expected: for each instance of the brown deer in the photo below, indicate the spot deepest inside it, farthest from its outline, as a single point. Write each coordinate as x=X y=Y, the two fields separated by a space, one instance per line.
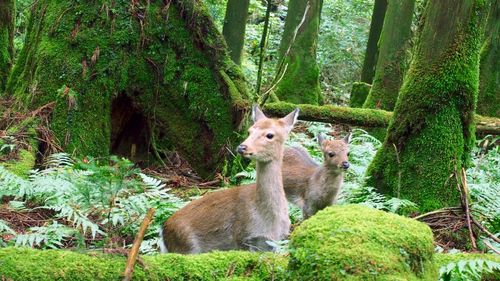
x=314 y=187
x=243 y=217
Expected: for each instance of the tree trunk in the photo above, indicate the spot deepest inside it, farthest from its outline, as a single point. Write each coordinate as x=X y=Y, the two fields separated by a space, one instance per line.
x=234 y=27
x=7 y=18
x=390 y=68
x=372 y=45
x=300 y=82
x=431 y=134
x=132 y=79
x=489 y=74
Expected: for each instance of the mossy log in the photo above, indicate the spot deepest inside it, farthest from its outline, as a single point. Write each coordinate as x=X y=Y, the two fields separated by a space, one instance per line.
x=431 y=134
x=362 y=117
x=354 y=242
x=24 y=264
x=300 y=82
x=7 y=19
x=132 y=78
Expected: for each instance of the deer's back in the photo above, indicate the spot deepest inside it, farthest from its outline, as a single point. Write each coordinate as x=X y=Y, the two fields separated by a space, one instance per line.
x=298 y=167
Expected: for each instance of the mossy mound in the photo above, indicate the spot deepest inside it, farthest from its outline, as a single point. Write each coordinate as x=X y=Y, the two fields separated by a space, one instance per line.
x=28 y=264
x=354 y=242
x=132 y=78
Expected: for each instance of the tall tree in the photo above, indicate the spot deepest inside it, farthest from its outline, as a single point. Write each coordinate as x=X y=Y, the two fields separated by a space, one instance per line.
x=132 y=78
x=372 y=46
x=298 y=69
x=7 y=16
x=489 y=78
x=393 y=44
x=234 y=27
x=431 y=133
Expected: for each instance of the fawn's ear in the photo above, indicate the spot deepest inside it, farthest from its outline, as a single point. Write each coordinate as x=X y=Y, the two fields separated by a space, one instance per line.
x=291 y=119
x=321 y=139
x=347 y=139
x=257 y=114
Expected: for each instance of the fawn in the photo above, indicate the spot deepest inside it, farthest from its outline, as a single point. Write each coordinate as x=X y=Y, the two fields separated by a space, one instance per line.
x=243 y=217
x=311 y=186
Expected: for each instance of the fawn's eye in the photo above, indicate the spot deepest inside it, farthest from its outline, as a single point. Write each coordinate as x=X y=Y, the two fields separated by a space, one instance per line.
x=331 y=154
x=269 y=136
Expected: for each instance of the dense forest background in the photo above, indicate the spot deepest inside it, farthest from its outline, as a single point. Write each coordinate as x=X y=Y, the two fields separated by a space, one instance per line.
x=112 y=109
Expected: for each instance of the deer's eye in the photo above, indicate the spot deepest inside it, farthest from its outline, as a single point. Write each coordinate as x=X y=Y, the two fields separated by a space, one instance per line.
x=331 y=154
x=269 y=136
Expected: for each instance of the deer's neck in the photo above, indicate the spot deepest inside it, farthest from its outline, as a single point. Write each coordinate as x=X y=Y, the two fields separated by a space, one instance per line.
x=327 y=177
x=270 y=194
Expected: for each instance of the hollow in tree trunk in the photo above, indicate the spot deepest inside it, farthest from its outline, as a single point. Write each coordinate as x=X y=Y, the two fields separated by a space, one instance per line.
x=132 y=79
x=431 y=134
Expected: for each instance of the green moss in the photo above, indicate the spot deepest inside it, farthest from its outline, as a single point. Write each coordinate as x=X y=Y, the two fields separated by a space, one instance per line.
x=432 y=132
x=168 y=59
x=22 y=165
x=7 y=19
x=353 y=242
x=27 y=264
x=359 y=93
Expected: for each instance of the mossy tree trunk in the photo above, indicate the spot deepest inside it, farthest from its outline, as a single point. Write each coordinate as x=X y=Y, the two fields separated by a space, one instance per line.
x=372 y=46
x=7 y=16
x=133 y=79
x=234 y=27
x=431 y=133
x=393 y=44
x=300 y=82
x=489 y=78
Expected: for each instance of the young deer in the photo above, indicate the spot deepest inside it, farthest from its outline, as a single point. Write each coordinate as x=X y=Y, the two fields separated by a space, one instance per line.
x=311 y=186
x=243 y=217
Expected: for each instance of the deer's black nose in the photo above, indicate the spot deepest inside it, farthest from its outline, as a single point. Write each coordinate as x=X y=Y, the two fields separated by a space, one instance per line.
x=345 y=165
x=241 y=148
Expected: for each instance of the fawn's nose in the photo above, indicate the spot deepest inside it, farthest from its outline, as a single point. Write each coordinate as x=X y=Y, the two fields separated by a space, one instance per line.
x=345 y=165
x=241 y=148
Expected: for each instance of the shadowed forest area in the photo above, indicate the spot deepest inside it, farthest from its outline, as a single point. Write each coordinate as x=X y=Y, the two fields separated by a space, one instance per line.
x=250 y=140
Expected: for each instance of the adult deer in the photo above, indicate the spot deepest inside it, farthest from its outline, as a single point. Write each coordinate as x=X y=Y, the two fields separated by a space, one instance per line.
x=243 y=217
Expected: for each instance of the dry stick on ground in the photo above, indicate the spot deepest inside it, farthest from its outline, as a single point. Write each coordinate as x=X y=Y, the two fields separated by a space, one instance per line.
x=465 y=205
x=134 y=252
x=488 y=244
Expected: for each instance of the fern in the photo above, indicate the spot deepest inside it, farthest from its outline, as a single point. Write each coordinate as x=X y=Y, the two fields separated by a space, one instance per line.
x=51 y=236
x=467 y=270
x=5 y=228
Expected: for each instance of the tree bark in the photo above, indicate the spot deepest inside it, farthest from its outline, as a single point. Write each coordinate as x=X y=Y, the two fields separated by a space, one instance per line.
x=7 y=19
x=363 y=117
x=371 y=53
x=489 y=74
x=132 y=79
x=431 y=134
x=300 y=82
x=393 y=42
x=234 y=27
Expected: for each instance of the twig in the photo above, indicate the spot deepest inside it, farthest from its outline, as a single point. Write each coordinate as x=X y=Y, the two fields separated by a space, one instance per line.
x=134 y=252
x=209 y=183
x=444 y=210
x=488 y=244
x=263 y=44
x=491 y=235
x=465 y=204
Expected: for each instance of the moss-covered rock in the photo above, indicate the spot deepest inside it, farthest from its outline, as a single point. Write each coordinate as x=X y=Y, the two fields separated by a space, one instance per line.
x=354 y=242
x=132 y=74
x=28 y=264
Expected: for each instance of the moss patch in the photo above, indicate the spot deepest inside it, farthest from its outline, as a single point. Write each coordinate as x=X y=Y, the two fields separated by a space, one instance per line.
x=359 y=93
x=28 y=264
x=358 y=243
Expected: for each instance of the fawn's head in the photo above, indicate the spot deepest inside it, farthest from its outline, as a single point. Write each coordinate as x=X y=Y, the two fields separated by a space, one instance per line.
x=267 y=136
x=335 y=152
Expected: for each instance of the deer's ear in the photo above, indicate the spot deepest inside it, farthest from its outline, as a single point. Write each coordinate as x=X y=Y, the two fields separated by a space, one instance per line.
x=257 y=114
x=291 y=119
x=321 y=139
x=347 y=139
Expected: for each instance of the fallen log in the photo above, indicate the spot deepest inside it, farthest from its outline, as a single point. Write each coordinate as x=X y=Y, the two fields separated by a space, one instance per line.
x=373 y=118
